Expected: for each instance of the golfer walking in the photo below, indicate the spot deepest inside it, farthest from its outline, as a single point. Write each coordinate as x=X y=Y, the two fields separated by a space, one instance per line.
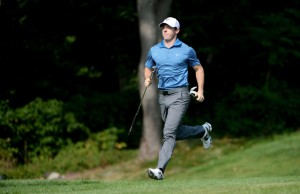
x=172 y=59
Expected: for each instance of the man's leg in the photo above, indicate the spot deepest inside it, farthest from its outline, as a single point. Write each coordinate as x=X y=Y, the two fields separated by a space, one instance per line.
x=190 y=132
x=175 y=108
x=195 y=132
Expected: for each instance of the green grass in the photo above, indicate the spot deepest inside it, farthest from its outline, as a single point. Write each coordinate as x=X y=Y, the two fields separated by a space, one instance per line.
x=279 y=156
x=231 y=166
x=285 y=184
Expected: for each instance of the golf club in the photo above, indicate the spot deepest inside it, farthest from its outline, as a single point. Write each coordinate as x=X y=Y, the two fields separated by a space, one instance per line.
x=137 y=112
x=193 y=92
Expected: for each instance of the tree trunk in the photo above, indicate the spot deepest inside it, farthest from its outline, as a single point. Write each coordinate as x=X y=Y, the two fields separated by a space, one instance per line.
x=150 y=13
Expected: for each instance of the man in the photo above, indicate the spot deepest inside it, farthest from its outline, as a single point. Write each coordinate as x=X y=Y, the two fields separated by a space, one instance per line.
x=172 y=59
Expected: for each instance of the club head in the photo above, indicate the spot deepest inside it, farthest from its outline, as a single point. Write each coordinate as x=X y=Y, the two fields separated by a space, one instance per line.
x=193 y=92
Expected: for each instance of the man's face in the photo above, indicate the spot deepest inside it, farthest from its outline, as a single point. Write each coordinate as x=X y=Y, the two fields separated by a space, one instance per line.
x=168 y=32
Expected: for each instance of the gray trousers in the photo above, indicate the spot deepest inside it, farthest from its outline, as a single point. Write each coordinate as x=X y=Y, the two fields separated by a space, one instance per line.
x=173 y=107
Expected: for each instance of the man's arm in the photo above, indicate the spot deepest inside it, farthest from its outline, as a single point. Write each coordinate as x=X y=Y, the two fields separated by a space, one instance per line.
x=200 y=81
x=147 y=75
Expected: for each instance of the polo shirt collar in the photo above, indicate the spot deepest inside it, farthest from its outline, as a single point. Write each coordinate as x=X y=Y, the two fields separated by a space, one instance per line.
x=176 y=43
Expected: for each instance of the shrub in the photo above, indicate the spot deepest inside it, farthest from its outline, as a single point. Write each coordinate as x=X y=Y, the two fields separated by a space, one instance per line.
x=252 y=112
x=40 y=128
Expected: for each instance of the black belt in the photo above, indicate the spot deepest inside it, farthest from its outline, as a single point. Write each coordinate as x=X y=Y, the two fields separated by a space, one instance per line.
x=172 y=91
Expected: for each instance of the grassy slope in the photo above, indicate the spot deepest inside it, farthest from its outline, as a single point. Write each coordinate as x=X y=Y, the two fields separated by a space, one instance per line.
x=279 y=156
x=269 y=166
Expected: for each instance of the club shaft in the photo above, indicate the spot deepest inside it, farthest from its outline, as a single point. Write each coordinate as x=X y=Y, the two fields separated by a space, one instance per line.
x=137 y=112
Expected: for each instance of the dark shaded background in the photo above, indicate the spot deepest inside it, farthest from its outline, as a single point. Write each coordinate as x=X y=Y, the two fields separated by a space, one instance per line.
x=86 y=53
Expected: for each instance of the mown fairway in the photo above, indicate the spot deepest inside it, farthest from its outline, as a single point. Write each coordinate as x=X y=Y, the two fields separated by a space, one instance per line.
x=264 y=166
x=287 y=184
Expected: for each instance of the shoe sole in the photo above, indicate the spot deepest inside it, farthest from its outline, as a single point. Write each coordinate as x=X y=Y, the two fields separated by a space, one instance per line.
x=207 y=148
x=208 y=130
x=210 y=127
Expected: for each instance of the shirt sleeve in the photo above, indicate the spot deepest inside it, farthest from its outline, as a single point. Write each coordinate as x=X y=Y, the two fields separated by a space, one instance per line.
x=149 y=62
x=193 y=59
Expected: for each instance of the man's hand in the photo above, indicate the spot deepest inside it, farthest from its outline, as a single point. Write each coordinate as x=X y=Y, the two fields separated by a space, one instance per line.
x=200 y=96
x=148 y=81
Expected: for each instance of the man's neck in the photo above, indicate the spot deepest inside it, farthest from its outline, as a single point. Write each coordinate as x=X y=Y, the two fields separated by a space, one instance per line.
x=169 y=43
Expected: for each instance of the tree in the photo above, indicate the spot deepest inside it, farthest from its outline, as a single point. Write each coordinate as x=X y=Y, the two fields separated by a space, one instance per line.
x=150 y=13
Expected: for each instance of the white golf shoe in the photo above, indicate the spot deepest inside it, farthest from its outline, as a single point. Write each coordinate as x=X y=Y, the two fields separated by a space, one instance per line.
x=155 y=174
x=206 y=139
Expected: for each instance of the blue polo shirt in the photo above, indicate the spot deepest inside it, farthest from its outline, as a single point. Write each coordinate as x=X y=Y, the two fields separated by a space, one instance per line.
x=172 y=64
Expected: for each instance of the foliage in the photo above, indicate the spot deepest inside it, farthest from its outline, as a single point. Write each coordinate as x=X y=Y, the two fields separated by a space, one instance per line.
x=107 y=139
x=75 y=157
x=85 y=155
x=86 y=65
x=76 y=51
x=104 y=110
x=250 y=53
x=100 y=111
x=252 y=112
x=40 y=128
